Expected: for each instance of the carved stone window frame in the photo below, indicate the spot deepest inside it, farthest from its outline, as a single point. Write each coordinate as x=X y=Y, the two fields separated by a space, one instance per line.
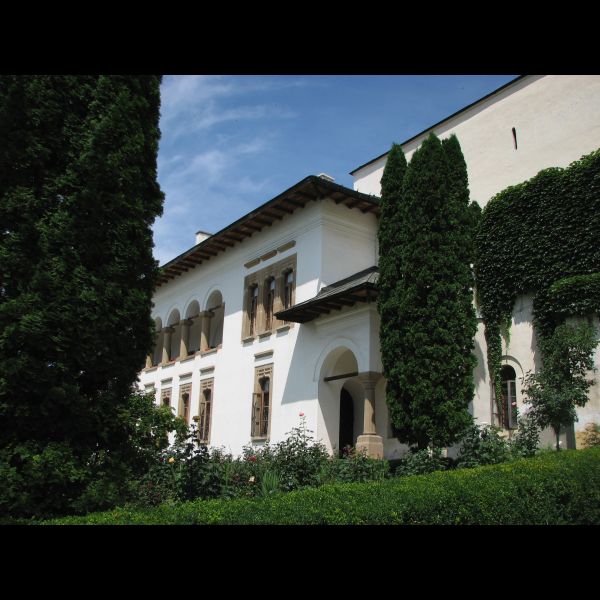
x=258 y=432
x=183 y=408
x=205 y=410
x=165 y=396
x=261 y=278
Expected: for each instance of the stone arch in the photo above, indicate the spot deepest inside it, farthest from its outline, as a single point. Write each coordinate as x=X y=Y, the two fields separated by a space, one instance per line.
x=192 y=308
x=336 y=360
x=332 y=352
x=159 y=334
x=510 y=361
x=194 y=324
x=174 y=330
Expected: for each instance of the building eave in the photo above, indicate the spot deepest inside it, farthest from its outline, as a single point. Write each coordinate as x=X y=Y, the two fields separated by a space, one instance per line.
x=359 y=287
x=310 y=189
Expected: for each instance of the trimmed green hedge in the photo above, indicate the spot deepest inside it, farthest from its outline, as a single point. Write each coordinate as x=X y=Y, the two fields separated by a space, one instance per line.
x=552 y=488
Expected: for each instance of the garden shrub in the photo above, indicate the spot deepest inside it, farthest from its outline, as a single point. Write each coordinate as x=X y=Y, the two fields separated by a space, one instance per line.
x=591 y=435
x=526 y=441
x=357 y=467
x=551 y=488
x=419 y=462
x=482 y=445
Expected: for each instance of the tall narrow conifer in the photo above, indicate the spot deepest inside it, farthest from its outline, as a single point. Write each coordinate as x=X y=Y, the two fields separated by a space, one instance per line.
x=390 y=227
x=431 y=382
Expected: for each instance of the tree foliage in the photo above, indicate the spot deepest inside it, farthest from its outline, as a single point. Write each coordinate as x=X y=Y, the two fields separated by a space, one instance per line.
x=561 y=385
x=427 y=316
x=78 y=196
x=540 y=237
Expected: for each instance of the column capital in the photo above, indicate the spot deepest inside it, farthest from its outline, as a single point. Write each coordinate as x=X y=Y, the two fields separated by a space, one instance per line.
x=207 y=314
x=169 y=329
x=187 y=322
x=369 y=378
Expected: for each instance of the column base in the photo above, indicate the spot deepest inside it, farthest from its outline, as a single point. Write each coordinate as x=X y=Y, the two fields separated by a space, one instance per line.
x=370 y=444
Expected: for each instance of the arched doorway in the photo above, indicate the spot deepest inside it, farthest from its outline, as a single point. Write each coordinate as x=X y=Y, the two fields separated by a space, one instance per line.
x=340 y=400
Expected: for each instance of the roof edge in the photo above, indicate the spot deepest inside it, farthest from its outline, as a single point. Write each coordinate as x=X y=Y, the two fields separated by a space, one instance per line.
x=458 y=112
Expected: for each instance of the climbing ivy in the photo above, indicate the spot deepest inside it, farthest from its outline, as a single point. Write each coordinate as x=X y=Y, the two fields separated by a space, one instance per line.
x=541 y=238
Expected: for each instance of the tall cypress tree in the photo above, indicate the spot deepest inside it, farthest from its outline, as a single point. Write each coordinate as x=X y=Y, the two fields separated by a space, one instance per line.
x=78 y=196
x=431 y=383
x=390 y=227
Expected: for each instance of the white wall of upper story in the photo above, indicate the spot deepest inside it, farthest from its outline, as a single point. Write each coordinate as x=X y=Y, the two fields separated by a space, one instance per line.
x=556 y=118
x=349 y=242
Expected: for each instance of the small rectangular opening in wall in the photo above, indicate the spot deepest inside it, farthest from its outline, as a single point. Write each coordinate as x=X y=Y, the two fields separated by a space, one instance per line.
x=514 y=133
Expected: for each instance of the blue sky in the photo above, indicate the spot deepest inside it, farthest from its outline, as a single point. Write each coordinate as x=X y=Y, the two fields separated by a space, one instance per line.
x=230 y=143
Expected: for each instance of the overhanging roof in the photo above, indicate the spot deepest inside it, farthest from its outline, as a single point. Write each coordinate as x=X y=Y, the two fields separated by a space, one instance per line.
x=311 y=188
x=360 y=287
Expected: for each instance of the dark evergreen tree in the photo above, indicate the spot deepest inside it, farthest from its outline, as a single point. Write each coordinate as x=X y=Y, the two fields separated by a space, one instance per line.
x=390 y=227
x=430 y=380
x=78 y=196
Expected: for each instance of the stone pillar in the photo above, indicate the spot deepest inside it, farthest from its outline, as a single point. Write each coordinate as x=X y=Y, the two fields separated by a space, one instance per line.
x=185 y=338
x=205 y=332
x=166 y=353
x=369 y=441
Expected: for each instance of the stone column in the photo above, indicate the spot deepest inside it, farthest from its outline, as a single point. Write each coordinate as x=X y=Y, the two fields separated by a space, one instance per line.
x=205 y=332
x=166 y=353
x=369 y=441
x=185 y=338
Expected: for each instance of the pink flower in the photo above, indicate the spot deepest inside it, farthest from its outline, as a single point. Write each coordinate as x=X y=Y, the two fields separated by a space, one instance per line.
x=251 y=458
x=301 y=414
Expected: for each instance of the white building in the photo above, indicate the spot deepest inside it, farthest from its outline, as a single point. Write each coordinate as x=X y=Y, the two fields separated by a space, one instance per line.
x=274 y=315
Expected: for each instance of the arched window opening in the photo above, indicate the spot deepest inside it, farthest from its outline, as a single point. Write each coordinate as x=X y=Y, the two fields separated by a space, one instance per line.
x=216 y=308
x=172 y=338
x=269 y=302
x=194 y=328
x=253 y=308
x=509 y=397
x=288 y=289
x=158 y=342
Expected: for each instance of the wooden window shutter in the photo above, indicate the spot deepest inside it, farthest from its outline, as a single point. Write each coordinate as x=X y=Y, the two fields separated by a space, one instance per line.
x=185 y=398
x=205 y=410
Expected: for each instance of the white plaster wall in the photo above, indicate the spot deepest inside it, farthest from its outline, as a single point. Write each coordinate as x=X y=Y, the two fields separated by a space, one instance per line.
x=349 y=242
x=556 y=118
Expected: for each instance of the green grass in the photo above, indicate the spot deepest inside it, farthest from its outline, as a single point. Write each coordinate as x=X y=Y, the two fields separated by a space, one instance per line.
x=552 y=488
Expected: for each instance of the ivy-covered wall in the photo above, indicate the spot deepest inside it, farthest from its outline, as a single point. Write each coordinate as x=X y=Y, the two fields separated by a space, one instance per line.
x=541 y=237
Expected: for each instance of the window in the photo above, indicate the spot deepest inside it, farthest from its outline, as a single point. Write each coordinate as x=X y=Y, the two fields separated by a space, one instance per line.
x=288 y=289
x=509 y=397
x=269 y=303
x=253 y=308
x=165 y=397
x=261 y=402
x=185 y=392
x=266 y=292
x=204 y=411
